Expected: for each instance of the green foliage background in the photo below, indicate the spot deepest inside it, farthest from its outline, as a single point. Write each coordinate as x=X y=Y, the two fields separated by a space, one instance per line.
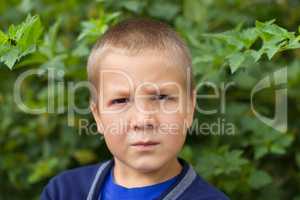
x=231 y=40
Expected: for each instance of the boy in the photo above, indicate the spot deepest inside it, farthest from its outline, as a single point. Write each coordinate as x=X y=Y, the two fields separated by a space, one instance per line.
x=143 y=101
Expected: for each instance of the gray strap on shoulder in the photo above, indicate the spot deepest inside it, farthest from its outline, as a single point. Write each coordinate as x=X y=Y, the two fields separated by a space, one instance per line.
x=99 y=172
x=182 y=185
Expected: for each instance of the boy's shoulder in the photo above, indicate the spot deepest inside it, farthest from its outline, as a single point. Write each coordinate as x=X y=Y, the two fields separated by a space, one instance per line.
x=200 y=189
x=191 y=186
x=71 y=184
x=84 y=173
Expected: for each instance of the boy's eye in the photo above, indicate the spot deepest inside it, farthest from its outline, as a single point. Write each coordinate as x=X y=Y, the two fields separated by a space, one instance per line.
x=120 y=101
x=162 y=97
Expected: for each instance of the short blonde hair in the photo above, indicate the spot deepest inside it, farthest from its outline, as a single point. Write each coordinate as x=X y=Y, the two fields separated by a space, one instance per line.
x=134 y=36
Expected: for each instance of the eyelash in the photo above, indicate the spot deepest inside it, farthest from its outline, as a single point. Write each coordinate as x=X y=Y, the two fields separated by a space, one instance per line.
x=165 y=97
x=116 y=100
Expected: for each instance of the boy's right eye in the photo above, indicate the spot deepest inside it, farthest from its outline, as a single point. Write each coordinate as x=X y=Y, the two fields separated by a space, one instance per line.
x=120 y=101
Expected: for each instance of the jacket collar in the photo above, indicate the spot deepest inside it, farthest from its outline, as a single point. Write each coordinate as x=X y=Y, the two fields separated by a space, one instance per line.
x=185 y=179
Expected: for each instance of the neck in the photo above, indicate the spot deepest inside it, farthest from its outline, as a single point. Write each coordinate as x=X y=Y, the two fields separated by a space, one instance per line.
x=128 y=177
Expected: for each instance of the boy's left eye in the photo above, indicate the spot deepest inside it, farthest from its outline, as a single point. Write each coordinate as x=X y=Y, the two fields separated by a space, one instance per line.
x=120 y=101
x=161 y=97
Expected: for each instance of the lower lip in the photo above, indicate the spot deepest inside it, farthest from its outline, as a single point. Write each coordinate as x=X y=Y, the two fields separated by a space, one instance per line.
x=145 y=147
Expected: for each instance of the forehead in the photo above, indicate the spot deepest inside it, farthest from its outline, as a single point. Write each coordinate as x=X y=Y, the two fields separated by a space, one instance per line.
x=147 y=70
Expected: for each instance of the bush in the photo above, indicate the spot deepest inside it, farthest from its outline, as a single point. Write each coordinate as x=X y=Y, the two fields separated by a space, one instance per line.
x=234 y=44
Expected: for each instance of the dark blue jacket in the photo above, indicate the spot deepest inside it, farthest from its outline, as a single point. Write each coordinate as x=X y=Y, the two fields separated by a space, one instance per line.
x=85 y=183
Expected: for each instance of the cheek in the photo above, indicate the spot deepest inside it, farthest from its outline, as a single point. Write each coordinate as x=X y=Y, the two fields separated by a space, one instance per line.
x=173 y=124
x=172 y=144
x=172 y=106
x=113 y=124
x=172 y=131
x=114 y=132
x=116 y=143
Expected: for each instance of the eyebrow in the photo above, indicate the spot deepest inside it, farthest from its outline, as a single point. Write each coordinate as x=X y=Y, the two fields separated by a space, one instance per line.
x=148 y=90
x=121 y=92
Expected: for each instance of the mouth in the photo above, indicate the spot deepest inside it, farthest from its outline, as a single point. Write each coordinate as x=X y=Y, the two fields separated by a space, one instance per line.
x=145 y=143
x=148 y=145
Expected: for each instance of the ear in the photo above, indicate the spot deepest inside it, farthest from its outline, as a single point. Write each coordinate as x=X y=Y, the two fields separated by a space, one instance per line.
x=96 y=115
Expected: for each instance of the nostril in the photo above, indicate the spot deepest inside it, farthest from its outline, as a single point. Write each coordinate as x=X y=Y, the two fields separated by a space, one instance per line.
x=143 y=127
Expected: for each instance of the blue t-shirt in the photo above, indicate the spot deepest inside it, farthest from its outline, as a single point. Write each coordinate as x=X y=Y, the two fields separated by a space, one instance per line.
x=113 y=191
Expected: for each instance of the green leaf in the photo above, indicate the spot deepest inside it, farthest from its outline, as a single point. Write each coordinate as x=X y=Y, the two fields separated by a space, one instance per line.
x=10 y=57
x=260 y=151
x=163 y=9
x=255 y=54
x=193 y=10
x=134 y=5
x=92 y=29
x=259 y=179
x=235 y=61
x=81 y=50
x=29 y=35
x=51 y=45
x=43 y=169
x=24 y=39
x=277 y=149
x=293 y=44
x=271 y=51
x=221 y=161
x=3 y=38
x=263 y=24
x=248 y=36
x=233 y=161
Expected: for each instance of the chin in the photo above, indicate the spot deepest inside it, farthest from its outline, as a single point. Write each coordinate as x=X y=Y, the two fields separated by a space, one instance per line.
x=147 y=165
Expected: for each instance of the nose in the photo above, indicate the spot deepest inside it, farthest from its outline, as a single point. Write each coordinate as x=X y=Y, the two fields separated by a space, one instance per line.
x=142 y=118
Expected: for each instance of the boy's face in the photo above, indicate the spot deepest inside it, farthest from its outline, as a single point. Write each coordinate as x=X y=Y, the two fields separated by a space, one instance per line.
x=143 y=99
